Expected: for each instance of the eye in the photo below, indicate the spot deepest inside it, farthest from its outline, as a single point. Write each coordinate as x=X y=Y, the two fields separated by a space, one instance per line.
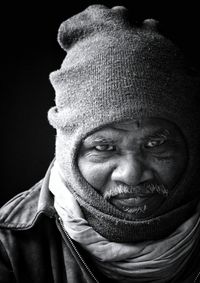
x=154 y=143
x=105 y=147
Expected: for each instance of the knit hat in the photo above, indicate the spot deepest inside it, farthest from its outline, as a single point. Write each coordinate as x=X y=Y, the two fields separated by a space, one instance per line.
x=117 y=71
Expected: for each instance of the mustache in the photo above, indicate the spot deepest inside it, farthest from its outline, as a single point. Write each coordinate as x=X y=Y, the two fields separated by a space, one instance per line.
x=140 y=190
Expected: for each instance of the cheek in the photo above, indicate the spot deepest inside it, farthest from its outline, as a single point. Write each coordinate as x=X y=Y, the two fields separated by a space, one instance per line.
x=96 y=174
x=169 y=171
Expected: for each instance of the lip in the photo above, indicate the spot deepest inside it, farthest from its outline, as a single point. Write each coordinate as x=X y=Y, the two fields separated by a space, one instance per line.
x=131 y=201
x=132 y=195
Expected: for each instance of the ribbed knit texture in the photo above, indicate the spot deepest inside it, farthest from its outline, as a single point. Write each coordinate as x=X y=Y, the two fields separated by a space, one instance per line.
x=115 y=71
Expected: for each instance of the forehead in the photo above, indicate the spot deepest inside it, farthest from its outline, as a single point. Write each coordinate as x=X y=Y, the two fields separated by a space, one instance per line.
x=138 y=128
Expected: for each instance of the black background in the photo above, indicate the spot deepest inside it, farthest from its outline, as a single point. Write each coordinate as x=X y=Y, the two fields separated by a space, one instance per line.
x=29 y=52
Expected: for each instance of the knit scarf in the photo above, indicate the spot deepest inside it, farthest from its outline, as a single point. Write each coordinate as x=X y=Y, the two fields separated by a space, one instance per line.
x=151 y=261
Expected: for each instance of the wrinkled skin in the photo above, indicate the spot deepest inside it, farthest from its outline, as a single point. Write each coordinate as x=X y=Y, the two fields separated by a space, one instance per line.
x=135 y=165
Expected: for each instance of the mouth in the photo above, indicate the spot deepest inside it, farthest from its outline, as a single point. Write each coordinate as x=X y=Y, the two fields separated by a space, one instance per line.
x=131 y=200
x=141 y=204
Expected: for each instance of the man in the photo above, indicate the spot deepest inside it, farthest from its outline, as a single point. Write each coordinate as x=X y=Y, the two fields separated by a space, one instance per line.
x=120 y=202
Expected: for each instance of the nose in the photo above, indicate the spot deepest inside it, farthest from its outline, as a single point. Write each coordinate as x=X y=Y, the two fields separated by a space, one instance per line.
x=132 y=170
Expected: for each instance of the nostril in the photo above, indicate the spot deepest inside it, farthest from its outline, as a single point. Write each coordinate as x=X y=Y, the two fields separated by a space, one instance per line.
x=132 y=171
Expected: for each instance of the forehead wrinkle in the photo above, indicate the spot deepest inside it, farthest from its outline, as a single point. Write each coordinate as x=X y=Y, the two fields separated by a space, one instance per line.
x=149 y=130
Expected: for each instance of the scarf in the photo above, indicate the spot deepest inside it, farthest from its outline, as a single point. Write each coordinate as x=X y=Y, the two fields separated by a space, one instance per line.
x=149 y=261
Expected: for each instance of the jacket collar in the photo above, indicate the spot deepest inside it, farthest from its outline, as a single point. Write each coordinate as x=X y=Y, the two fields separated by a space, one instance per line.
x=23 y=210
x=46 y=200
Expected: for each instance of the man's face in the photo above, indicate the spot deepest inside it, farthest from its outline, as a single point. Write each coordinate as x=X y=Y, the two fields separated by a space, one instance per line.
x=134 y=165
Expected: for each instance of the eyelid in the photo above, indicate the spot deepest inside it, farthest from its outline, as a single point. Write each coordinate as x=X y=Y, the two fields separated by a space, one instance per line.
x=163 y=138
x=161 y=141
x=104 y=144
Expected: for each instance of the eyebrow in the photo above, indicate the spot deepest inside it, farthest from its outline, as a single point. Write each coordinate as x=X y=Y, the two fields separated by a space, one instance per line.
x=101 y=139
x=161 y=133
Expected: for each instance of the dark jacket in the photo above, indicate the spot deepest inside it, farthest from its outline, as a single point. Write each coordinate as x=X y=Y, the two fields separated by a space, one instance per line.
x=34 y=247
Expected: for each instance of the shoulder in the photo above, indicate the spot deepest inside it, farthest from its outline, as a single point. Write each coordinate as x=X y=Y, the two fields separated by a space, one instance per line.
x=20 y=210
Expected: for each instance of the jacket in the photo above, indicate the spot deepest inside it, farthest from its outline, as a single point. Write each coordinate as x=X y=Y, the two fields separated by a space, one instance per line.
x=35 y=248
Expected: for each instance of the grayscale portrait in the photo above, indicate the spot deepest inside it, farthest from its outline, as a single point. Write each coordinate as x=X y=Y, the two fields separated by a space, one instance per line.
x=119 y=200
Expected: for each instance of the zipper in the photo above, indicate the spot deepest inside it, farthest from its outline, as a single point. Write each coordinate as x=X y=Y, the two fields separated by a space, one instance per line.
x=197 y=277
x=76 y=251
